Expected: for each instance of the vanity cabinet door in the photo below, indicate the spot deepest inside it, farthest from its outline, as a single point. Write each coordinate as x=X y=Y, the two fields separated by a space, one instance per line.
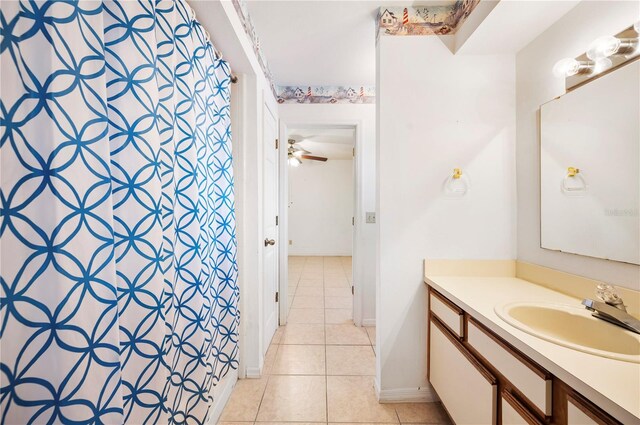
x=514 y=412
x=582 y=412
x=575 y=416
x=468 y=390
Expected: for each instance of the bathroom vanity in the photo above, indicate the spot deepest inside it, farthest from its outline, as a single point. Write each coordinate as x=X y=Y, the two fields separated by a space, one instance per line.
x=487 y=369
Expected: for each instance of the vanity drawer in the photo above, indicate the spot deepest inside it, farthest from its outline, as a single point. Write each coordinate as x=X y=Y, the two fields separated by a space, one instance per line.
x=514 y=412
x=467 y=389
x=448 y=313
x=532 y=382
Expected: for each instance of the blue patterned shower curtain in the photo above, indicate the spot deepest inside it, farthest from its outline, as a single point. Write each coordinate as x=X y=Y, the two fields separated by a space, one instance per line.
x=118 y=280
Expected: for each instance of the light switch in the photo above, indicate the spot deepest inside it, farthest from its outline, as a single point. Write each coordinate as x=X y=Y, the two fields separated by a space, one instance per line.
x=371 y=217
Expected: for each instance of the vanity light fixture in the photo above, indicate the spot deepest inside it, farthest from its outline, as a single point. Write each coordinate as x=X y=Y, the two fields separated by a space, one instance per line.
x=568 y=66
x=609 y=45
x=604 y=54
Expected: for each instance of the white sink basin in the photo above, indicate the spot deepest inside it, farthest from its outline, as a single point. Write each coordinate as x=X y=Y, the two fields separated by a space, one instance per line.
x=572 y=327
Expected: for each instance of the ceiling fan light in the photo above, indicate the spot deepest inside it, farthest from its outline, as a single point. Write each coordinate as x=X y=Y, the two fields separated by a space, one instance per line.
x=294 y=162
x=300 y=152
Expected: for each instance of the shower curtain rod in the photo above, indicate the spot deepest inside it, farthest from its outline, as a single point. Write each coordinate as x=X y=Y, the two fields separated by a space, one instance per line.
x=218 y=53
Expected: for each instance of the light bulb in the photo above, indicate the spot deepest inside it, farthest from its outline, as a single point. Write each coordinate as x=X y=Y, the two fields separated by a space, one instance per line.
x=293 y=161
x=603 y=47
x=602 y=65
x=566 y=68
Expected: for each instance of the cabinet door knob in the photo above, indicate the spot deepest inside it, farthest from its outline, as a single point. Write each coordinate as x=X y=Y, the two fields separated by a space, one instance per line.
x=268 y=242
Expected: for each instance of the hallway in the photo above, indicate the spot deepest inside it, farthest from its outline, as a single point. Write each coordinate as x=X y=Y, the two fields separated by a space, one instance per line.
x=320 y=367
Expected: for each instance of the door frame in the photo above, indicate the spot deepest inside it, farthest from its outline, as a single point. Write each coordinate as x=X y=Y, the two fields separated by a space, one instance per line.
x=269 y=112
x=358 y=210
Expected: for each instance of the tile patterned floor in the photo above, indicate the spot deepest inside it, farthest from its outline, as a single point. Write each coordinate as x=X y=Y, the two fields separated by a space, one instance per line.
x=320 y=368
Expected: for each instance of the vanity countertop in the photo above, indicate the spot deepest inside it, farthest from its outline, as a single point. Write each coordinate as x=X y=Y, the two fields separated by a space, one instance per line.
x=611 y=384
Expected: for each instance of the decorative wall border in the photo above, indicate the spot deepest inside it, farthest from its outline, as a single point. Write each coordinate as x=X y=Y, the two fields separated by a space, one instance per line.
x=326 y=94
x=392 y=21
x=250 y=30
x=424 y=20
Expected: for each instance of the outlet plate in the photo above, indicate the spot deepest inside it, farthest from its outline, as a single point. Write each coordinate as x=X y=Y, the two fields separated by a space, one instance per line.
x=371 y=217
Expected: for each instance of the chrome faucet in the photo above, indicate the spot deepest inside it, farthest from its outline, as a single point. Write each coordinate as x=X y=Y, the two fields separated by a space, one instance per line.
x=611 y=308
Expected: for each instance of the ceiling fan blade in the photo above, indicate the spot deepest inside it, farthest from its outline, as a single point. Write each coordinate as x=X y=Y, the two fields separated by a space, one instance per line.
x=314 y=158
x=300 y=152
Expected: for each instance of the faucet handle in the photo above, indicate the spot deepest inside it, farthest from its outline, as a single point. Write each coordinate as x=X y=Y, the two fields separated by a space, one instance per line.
x=608 y=294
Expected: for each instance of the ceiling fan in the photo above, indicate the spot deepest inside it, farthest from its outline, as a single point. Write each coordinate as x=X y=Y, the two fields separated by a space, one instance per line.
x=296 y=154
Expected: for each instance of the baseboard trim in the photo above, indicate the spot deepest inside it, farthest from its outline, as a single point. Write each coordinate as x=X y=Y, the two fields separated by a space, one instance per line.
x=253 y=373
x=315 y=254
x=221 y=396
x=406 y=395
x=368 y=322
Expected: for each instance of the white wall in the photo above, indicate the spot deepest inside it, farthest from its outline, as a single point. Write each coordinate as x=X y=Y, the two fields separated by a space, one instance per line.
x=568 y=37
x=365 y=234
x=248 y=100
x=436 y=112
x=321 y=206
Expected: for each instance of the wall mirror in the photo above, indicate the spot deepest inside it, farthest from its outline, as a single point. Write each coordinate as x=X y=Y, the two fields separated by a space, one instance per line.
x=590 y=168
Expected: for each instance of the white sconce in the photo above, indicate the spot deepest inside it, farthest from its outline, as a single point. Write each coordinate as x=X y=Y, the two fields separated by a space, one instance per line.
x=457 y=184
x=604 y=54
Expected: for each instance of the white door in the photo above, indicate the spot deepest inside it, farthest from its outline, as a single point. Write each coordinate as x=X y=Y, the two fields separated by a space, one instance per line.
x=270 y=211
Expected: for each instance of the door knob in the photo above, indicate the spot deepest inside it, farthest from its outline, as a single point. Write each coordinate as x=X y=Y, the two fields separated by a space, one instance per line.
x=268 y=242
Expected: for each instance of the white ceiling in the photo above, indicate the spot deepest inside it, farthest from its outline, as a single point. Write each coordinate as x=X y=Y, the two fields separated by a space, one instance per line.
x=332 y=42
x=332 y=143
x=513 y=24
x=318 y=42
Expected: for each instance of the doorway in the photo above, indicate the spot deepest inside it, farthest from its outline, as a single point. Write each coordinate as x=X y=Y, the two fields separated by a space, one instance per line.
x=320 y=223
